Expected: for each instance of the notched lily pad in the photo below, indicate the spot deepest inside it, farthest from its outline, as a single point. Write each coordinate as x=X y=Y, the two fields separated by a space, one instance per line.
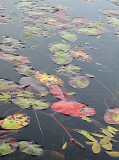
x=15 y=121
x=61 y=58
x=30 y=102
x=68 y=70
x=7 y=146
x=68 y=36
x=79 y=82
x=55 y=47
x=90 y=31
x=30 y=148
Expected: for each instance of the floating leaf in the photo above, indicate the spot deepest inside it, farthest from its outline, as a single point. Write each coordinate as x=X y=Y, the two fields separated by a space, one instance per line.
x=7 y=146
x=7 y=132
x=97 y=135
x=14 y=58
x=30 y=102
x=56 y=91
x=79 y=82
x=113 y=21
x=107 y=146
x=48 y=79
x=112 y=128
x=80 y=21
x=74 y=109
x=90 y=143
x=30 y=148
x=68 y=36
x=112 y=153
x=24 y=5
x=110 y=11
x=44 y=94
x=2 y=7
x=7 y=49
x=15 y=121
x=68 y=70
x=5 y=97
x=86 y=134
x=70 y=93
x=89 y=75
x=4 y=20
x=90 y=31
x=112 y=116
x=106 y=132
x=87 y=119
x=80 y=54
x=96 y=147
x=55 y=47
x=64 y=145
x=105 y=140
x=61 y=58
x=115 y=2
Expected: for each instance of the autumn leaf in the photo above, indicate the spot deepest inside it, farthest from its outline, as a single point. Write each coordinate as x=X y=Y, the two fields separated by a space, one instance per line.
x=96 y=147
x=112 y=153
x=106 y=132
x=64 y=145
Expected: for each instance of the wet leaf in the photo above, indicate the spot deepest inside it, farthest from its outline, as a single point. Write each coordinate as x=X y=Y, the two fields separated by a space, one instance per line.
x=64 y=145
x=7 y=146
x=112 y=116
x=24 y=5
x=87 y=119
x=68 y=36
x=70 y=93
x=105 y=140
x=112 y=128
x=61 y=58
x=98 y=135
x=55 y=47
x=79 y=82
x=7 y=49
x=74 y=109
x=48 y=79
x=80 y=21
x=115 y=2
x=89 y=75
x=110 y=11
x=5 y=97
x=4 y=20
x=80 y=55
x=44 y=94
x=90 y=31
x=30 y=103
x=96 y=147
x=15 y=121
x=107 y=146
x=112 y=153
x=56 y=91
x=14 y=58
x=68 y=70
x=90 y=143
x=86 y=134
x=106 y=132
x=7 y=132
x=30 y=148
x=113 y=21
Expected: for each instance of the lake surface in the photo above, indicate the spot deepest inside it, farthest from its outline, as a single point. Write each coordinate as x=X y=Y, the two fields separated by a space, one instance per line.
x=102 y=91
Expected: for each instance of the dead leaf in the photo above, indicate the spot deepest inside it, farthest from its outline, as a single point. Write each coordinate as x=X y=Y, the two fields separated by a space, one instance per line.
x=115 y=154
x=64 y=145
x=107 y=146
x=106 y=132
x=96 y=148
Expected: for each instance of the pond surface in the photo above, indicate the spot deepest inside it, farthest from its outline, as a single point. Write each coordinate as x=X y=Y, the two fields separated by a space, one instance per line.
x=97 y=59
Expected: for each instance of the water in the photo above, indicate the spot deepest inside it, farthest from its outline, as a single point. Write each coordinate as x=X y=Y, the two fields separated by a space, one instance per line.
x=104 y=50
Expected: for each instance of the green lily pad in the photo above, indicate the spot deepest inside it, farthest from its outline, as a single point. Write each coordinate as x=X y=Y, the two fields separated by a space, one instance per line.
x=15 y=121
x=5 y=97
x=68 y=70
x=7 y=146
x=7 y=49
x=55 y=47
x=24 y=5
x=30 y=102
x=30 y=148
x=61 y=58
x=90 y=31
x=68 y=36
x=113 y=21
x=79 y=82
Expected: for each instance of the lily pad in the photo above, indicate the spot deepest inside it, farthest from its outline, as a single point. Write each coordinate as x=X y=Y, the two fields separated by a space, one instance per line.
x=4 y=20
x=48 y=79
x=35 y=13
x=55 y=47
x=110 y=11
x=15 y=121
x=61 y=58
x=7 y=49
x=62 y=17
x=30 y=148
x=32 y=85
x=79 y=82
x=68 y=70
x=80 y=54
x=9 y=86
x=112 y=116
x=30 y=102
x=90 y=31
x=24 y=69
x=74 y=109
x=14 y=43
x=14 y=58
x=68 y=36
x=25 y=5
x=7 y=132
x=2 y=7
x=7 y=146
x=115 y=2
x=80 y=21
x=113 y=21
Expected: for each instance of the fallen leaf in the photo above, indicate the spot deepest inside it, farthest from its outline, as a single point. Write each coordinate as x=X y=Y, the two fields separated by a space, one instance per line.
x=96 y=147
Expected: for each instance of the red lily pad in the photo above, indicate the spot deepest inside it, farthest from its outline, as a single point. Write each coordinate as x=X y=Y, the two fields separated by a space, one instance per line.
x=79 y=82
x=80 y=21
x=90 y=31
x=80 y=54
x=7 y=146
x=15 y=121
x=14 y=58
x=74 y=109
x=110 y=11
x=112 y=116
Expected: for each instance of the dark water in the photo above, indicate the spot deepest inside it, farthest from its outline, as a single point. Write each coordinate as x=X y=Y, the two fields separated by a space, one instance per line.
x=105 y=50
